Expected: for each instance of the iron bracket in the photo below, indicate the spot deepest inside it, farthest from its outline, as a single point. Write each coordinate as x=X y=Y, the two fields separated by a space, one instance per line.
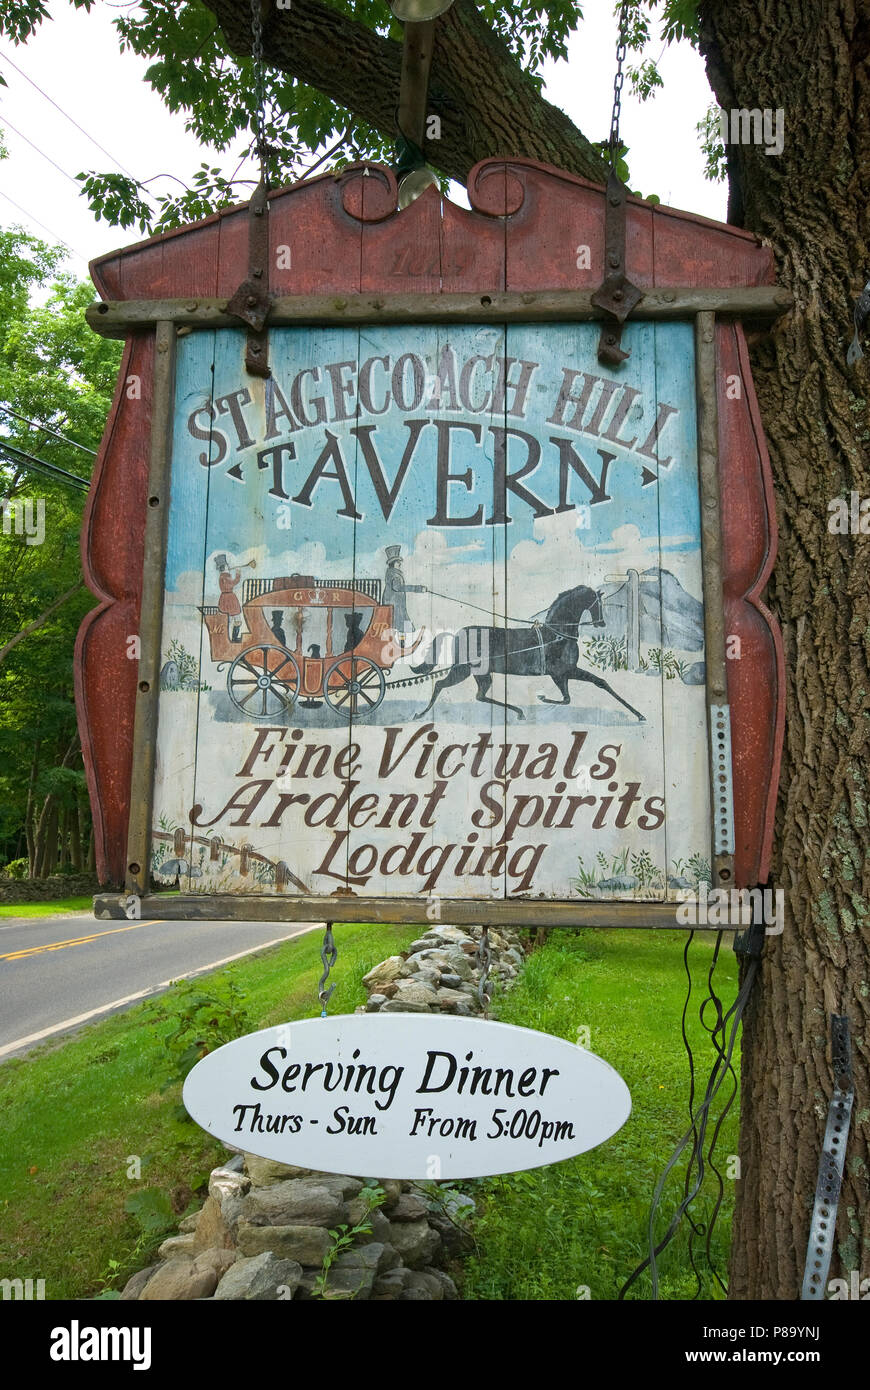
x=252 y=301
x=617 y=296
x=820 y=1246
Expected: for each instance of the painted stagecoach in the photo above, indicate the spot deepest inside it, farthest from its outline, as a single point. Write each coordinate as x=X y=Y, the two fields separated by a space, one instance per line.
x=298 y=637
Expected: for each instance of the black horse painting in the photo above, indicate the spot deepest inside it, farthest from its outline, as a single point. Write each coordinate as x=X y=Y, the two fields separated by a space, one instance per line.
x=547 y=648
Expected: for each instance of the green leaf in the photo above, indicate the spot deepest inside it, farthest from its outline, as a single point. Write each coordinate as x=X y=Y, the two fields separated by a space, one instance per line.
x=152 y=1209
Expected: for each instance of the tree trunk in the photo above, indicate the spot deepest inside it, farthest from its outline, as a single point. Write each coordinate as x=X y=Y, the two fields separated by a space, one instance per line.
x=48 y=816
x=811 y=205
x=47 y=862
x=28 y=815
x=40 y=835
x=75 y=838
x=487 y=106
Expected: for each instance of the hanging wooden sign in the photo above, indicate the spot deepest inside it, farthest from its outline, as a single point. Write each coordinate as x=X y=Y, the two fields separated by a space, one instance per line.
x=442 y=610
x=407 y=1097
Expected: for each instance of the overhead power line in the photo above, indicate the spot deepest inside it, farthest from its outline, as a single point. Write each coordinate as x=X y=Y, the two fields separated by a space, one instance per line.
x=7 y=410
x=66 y=114
x=35 y=465
x=6 y=121
x=51 y=232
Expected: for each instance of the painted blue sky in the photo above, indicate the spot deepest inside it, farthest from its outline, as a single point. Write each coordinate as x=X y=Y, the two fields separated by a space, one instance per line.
x=213 y=512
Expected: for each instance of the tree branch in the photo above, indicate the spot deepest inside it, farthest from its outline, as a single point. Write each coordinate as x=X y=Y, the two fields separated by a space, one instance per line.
x=37 y=622
x=487 y=105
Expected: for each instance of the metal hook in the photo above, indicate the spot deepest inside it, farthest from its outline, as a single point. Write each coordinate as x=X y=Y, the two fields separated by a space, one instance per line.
x=482 y=961
x=329 y=955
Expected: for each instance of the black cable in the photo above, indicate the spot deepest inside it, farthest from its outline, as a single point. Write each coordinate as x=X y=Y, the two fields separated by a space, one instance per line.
x=35 y=465
x=697 y=1228
x=721 y=1193
x=687 y=1046
x=713 y=997
x=698 y=1127
x=7 y=410
x=699 y=1124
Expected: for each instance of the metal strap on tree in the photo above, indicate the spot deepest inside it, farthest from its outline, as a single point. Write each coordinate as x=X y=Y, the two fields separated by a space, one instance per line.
x=820 y=1247
x=329 y=955
x=617 y=296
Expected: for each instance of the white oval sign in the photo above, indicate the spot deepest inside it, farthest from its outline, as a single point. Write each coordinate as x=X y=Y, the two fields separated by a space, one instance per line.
x=407 y=1096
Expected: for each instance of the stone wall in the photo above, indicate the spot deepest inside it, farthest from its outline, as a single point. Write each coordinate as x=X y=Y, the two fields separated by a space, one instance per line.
x=27 y=890
x=265 y=1227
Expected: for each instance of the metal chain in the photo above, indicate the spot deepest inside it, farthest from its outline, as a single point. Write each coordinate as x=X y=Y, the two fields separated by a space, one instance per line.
x=259 y=88
x=482 y=961
x=329 y=955
x=619 y=79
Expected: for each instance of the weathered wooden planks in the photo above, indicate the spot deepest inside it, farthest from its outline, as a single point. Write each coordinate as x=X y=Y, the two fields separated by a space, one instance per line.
x=761 y=302
x=341 y=255
x=468 y=491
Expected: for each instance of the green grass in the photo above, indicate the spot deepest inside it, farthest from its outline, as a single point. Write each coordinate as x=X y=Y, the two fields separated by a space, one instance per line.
x=547 y=1233
x=74 y=1113
x=47 y=909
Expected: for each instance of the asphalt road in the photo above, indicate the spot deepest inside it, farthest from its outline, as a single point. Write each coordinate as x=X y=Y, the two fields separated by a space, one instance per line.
x=61 y=972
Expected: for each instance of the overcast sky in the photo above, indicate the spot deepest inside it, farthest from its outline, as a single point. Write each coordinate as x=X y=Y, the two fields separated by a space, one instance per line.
x=76 y=62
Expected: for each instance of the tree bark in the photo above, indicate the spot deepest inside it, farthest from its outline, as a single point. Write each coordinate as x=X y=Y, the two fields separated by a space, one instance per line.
x=487 y=106
x=47 y=862
x=75 y=838
x=47 y=826
x=40 y=835
x=810 y=204
x=63 y=837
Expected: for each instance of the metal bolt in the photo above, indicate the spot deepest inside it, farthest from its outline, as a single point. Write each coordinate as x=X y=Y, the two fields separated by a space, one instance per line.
x=615 y=201
x=618 y=295
x=251 y=301
x=258 y=274
x=255 y=349
x=613 y=260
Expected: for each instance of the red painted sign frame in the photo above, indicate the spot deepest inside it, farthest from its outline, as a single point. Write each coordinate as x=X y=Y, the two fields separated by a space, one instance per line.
x=527 y=222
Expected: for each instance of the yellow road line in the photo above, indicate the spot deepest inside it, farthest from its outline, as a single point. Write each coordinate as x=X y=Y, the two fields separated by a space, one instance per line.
x=69 y=1023
x=74 y=941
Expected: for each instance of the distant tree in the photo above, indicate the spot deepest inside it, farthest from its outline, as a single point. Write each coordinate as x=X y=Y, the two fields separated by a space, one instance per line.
x=54 y=372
